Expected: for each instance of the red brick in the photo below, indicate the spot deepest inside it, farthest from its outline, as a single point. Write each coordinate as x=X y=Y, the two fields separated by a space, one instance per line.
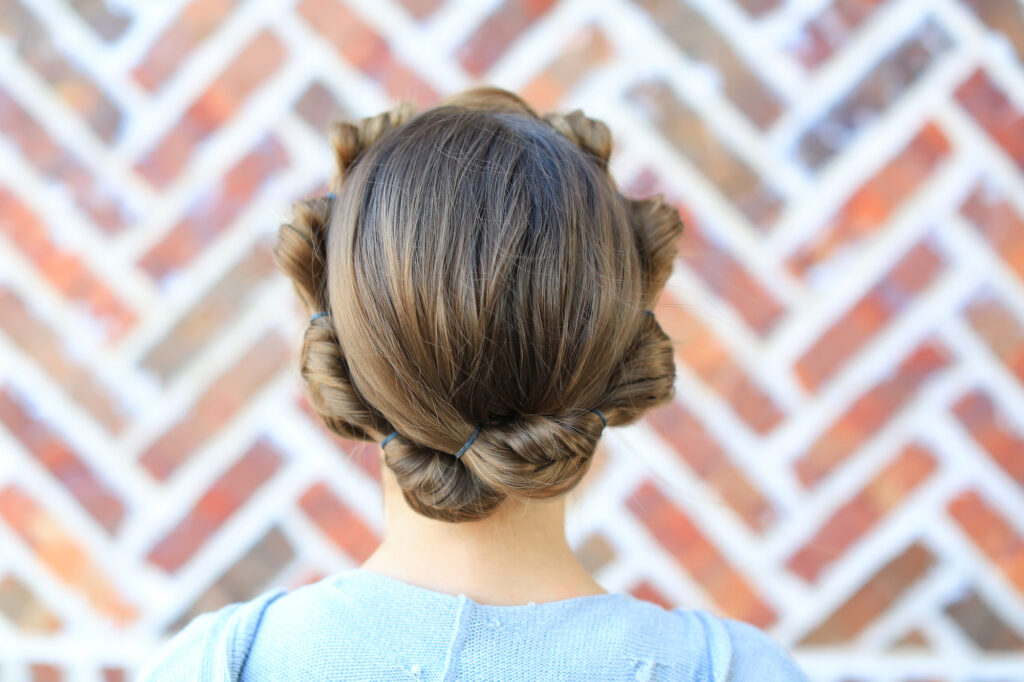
x=873 y=598
x=701 y=559
x=648 y=592
x=703 y=454
x=993 y=534
x=891 y=78
x=870 y=413
x=692 y=137
x=914 y=273
x=37 y=50
x=701 y=41
x=253 y=65
x=59 y=551
x=226 y=496
x=63 y=267
x=999 y=223
x=1001 y=331
x=215 y=210
x=196 y=22
x=863 y=512
x=339 y=522
x=56 y=163
x=704 y=255
x=830 y=29
x=45 y=672
x=366 y=50
x=697 y=347
x=49 y=350
x=497 y=33
x=582 y=54
x=867 y=211
x=211 y=316
x=111 y=674
x=58 y=458
x=992 y=429
x=217 y=406
x=1001 y=119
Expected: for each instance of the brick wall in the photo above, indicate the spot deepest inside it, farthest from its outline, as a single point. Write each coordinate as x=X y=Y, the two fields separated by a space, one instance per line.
x=844 y=463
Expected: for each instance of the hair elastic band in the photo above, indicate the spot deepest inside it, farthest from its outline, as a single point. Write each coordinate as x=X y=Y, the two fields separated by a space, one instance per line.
x=601 y=415
x=318 y=315
x=331 y=196
x=468 y=442
x=457 y=455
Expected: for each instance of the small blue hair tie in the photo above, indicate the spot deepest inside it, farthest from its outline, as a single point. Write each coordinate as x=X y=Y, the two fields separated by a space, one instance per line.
x=601 y=415
x=649 y=312
x=331 y=196
x=468 y=442
x=388 y=439
x=318 y=315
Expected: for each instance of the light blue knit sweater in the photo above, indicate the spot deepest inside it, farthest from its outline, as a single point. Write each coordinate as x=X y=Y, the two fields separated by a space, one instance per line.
x=360 y=625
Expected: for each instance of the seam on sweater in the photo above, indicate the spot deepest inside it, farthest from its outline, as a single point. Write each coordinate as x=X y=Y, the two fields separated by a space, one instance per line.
x=458 y=636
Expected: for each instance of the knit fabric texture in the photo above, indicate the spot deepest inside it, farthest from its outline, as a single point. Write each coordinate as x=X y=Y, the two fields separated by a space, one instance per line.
x=361 y=625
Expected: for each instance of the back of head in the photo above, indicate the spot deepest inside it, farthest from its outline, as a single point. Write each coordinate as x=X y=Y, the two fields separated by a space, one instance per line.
x=481 y=269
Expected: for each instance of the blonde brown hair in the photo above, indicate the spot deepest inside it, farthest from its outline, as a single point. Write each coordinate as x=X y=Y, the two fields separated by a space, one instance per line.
x=480 y=268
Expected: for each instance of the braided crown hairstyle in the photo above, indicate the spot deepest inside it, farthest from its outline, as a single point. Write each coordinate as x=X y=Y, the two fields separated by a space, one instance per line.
x=480 y=268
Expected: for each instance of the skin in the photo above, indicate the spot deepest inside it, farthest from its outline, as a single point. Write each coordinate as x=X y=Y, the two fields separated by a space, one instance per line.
x=517 y=555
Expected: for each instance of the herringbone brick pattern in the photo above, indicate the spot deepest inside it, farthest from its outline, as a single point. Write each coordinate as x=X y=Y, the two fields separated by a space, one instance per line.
x=843 y=465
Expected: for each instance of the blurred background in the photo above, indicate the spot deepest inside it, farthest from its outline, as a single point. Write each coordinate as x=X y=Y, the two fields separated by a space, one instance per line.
x=843 y=466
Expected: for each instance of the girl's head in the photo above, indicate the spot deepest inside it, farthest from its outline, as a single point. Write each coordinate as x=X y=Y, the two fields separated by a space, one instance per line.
x=480 y=268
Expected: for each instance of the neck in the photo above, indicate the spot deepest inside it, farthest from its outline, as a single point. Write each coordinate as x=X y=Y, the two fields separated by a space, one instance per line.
x=516 y=555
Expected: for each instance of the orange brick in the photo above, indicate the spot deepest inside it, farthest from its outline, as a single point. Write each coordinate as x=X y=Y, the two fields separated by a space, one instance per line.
x=992 y=533
x=708 y=460
x=339 y=522
x=885 y=301
x=497 y=33
x=583 y=53
x=864 y=511
x=991 y=429
x=253 y=65
x=1003 y=121
x=999 y=328
x=61 y=461
x=48 y=349
x=999 y=223
x=196 y=22
x=63 y=268
x=62 y=555
x=217 y=406
x=213 y=212
x=697 y=347
x=55 y=162
x=870 y=412
x=366 y=50
x=873 y=598
x=866 y=212
x=699 y=557
x=226 y=496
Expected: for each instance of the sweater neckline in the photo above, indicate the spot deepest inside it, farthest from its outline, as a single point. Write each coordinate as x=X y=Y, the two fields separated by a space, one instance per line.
x=408 y=590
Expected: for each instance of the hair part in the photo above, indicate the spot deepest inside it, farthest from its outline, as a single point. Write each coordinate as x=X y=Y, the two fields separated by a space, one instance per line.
x=481 y=268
